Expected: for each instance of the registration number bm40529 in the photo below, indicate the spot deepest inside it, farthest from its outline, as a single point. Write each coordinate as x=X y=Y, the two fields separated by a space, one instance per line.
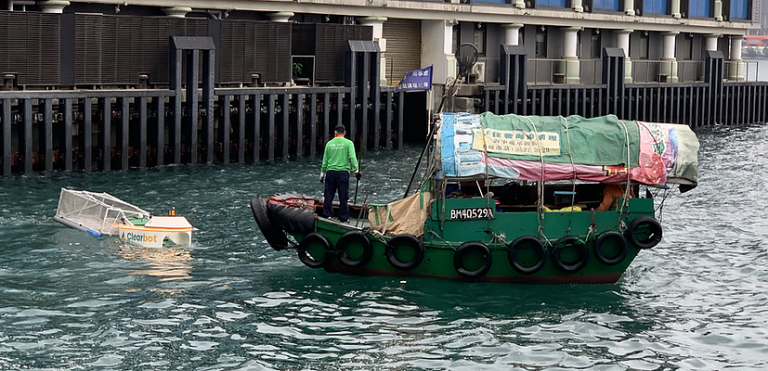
x=472 y=213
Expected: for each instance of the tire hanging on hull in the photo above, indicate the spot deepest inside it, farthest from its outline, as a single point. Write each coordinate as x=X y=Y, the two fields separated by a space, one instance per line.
x=520 y=243
x=566 y=242
x=641 y=226
x=458 y=260
x=274 y=236
x=613 y=239
x=401 y=241
x=309 y=240
x=347 y=240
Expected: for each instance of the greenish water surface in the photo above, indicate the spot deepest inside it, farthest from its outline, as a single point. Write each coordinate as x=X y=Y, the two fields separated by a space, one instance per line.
x=70 y=301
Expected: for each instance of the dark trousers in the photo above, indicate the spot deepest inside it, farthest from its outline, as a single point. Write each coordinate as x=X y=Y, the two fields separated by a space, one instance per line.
x=336 y=180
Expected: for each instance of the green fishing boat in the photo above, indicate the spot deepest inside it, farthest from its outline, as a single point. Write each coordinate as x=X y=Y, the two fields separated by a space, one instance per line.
x=524 y=199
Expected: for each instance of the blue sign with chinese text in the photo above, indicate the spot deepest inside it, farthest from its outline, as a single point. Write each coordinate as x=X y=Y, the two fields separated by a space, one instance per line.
x=416 y=80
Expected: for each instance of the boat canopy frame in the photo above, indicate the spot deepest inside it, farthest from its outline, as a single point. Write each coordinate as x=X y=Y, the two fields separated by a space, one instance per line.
x=96 y=213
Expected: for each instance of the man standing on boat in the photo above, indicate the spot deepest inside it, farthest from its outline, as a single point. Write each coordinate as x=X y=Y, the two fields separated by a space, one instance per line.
x=338 y=160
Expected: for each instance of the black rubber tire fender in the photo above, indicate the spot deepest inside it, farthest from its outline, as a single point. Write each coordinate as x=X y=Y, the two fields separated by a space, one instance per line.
x=606 y=237
x=458 y=260
x=344 y=242
x=307 y=259
x=405 y=240
x=274 y=236
x=292 y=220
x=565 y=242
x=513 y=247
x=632 y=232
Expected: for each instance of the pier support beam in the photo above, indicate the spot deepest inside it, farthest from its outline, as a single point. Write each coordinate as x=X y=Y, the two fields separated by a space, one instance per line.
x=736 y=64
x=622 y=41
x=177 y=11
x=512 y=74
x=668 y=68
x=281 y=17
x=570 y=63
x=629 y=7
x=512 y=33
x=54 y=6
x=675 y=9
x=718 y=10
x=377 y=25
x=576 y=6
x=437 y=49
x=710 y=45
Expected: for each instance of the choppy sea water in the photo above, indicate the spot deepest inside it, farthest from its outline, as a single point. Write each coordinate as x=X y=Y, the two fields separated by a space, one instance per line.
x=70 y=301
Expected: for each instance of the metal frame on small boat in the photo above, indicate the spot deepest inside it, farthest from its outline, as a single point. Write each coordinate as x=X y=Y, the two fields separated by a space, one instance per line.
x=102 y=214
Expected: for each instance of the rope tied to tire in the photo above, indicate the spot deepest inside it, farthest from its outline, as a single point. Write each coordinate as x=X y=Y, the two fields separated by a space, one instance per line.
x=349 y=239
x=403 y=241
x=306 y=257
x=466 y=248
x=644 y=232
x=521 y=244
x=570 y=242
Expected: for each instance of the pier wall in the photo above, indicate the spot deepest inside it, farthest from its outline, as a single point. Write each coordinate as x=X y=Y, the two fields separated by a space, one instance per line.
x=196 y=119
x=715 y=101
x=101 y=130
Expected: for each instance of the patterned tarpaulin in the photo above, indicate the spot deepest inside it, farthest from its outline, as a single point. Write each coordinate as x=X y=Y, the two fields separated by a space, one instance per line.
x=603 y=149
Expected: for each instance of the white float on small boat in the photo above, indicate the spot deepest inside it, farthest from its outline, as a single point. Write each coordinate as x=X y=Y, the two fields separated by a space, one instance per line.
x=157 y=231
x=102 y=214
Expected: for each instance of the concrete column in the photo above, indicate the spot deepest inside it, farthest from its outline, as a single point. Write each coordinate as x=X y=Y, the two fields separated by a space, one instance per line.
x=736 y=65
x=512 y=33
x=177 y=11
x=711 y=44
x=520 y=4
x=437 y=49
x=570 y=63
x=718 y=10
x=54 y=6
x=675 y=5
x=668 y=62
x=629 y=7
x=281 y=17
x=576 y=6
x=377 y=23
x=622 y=41
x=452 y=69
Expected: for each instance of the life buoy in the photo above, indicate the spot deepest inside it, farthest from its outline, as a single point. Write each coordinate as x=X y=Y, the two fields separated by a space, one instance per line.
x=352 y=238
x=458 y=259
x=644 y=232
x=402 y=241
x=309 y=240
x=274 y=236
x=525 y=243
x=614 y=239
x=567 y=242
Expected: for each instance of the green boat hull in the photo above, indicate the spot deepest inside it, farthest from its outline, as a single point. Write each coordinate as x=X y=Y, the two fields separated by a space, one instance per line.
x=444 y=237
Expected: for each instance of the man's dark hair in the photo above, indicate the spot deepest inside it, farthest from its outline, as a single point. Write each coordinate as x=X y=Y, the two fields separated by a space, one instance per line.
x=340 y=129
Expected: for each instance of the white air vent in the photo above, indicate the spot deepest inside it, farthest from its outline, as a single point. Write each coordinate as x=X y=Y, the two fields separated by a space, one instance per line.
x=477 y=75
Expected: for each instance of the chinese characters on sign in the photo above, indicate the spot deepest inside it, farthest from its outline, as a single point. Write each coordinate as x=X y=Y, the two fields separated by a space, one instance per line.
x=517 y=142
x=416 y=80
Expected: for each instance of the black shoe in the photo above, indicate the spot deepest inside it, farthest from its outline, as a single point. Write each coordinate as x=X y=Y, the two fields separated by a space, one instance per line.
x=344 y=221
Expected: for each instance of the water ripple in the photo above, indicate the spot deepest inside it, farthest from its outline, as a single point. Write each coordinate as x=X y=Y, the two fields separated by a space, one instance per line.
x=229 y=302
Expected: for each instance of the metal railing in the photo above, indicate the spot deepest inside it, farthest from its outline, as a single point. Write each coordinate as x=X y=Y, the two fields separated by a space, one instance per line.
x=648 y=71
x=751 y=70
x=545 y=71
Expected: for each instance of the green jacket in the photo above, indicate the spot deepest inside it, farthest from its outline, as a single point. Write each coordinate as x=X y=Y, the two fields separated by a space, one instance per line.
x=339 y=155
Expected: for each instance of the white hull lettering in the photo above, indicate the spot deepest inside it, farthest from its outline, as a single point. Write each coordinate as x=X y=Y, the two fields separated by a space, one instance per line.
x=471 y=213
